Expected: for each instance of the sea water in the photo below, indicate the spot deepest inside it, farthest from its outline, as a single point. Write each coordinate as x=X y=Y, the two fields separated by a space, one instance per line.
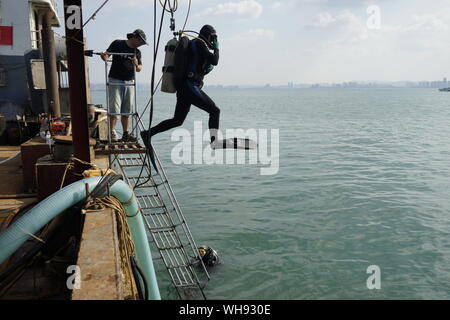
x=363 y=181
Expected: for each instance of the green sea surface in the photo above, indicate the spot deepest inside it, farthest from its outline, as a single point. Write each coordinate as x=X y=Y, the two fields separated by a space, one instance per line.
x=364 y=179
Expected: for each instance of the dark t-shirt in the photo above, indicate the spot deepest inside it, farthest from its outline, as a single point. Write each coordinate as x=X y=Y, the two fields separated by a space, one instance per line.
x=122 y=68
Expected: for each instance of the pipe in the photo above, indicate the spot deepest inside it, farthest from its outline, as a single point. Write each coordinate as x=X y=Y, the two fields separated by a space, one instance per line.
x=51 y=72
x=29 y=224
x=77 y=83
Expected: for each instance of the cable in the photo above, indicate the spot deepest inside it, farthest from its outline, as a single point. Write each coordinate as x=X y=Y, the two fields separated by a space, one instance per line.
x=187 y=15
x=153 y=89
x=136 y=277
x=92 y=17
x=150 y=152
x=171 y=8
x=209 y=44
x=155 y=55
x=137 y=272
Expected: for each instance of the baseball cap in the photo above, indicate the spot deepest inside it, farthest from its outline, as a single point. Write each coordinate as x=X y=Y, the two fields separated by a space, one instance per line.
x=140 y=34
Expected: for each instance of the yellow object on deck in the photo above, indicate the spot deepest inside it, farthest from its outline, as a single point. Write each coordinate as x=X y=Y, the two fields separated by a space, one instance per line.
x=97 y=173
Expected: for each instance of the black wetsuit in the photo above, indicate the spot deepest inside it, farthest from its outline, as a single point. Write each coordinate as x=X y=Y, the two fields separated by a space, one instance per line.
x=190 y=92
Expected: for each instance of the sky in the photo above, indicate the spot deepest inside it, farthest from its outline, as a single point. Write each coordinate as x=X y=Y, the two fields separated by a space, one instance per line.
x=300 y=41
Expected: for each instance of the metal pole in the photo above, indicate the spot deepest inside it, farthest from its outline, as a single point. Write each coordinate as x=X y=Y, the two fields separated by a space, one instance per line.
x=134 y=110
x=77 y=81
x=50 y=65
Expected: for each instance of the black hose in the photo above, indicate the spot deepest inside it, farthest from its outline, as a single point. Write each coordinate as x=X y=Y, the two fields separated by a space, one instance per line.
x=102 y=187
x=139 y=275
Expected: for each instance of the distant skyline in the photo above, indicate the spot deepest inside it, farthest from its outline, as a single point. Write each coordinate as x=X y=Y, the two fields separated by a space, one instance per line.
x=299 y=41
x=444 y=83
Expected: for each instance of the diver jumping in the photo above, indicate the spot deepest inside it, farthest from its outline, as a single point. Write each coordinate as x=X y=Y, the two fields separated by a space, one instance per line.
x=200 y=62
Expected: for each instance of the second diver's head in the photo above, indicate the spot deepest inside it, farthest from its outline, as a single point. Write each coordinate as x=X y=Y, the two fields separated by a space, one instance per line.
x=137 y=38
x=208 y=33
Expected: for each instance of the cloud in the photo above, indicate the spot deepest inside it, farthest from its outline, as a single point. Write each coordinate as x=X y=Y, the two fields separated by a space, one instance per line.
x=276 y=5
x=324 y=19
x=343 y=27
x=344 y=18
x=427 y=23
x=244 y=9
x=256 y=34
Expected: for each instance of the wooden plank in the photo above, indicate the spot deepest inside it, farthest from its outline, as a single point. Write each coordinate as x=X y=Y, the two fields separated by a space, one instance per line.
x=99 y=259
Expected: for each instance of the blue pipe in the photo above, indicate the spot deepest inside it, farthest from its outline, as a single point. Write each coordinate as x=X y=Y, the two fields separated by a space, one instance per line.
x=35 y=219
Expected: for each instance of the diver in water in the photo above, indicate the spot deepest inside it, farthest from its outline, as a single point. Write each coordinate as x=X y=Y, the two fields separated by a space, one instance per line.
x=201 y=61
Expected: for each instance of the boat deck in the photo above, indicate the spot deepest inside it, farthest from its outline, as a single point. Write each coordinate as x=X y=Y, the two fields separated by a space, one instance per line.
x=99 y=257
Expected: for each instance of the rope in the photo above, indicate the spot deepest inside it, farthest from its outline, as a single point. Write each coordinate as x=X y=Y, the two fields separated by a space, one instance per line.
x=31 y=235
x=71 y=165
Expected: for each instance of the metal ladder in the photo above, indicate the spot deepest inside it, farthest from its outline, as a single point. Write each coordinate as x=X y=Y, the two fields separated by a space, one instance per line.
x=166 y=224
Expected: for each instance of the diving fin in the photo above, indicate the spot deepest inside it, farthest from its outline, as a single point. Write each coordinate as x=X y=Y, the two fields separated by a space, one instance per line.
x=235 y=143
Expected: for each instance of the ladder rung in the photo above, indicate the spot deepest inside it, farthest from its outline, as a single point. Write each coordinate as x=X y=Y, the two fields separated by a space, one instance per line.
x=172 y=226
x=120 y=84
x=131 y=165
x=147 y=195
x=171 y=248
x=155 y=207
x=163 y=228
x=120 y=114
x=191 y=285
x=180 y=266
x=141 y=183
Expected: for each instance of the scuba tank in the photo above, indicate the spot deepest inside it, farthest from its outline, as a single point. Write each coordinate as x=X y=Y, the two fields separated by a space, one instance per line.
x=168 y=79
x=175 y=65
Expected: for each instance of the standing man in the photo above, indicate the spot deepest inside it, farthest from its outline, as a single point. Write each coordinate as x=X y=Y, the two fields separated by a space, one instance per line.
x=121 y=91
x=201 y=62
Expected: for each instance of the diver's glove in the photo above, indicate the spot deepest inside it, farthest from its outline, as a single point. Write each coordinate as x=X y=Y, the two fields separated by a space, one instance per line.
x=209 y=68
x=215 y=43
